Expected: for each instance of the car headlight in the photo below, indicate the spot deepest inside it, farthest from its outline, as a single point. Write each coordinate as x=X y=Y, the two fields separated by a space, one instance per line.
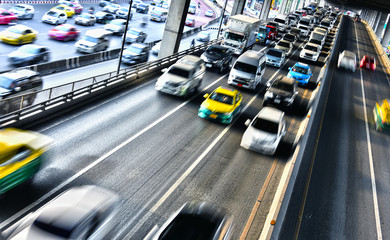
x=268 y=95
x=228 y=114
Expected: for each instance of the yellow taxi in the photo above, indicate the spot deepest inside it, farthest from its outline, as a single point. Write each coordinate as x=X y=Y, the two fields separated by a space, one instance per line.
x=21 y=155
x=382 y=115
x=18 y=34
x=221 y=105
x=68 y=10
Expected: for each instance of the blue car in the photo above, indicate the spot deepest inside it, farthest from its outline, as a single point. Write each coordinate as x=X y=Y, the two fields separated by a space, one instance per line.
x=301 y=73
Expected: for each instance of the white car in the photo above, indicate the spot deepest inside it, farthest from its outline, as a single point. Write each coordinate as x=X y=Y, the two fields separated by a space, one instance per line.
x=55 y=17
x=84 y=212
x=85 y=19
x=347 y=60
x=265 y=131
x=23 y=11
x=116 y=26
x=209 y=13
x=286 y=46
x=156 y=48
x=111 y=8
x=310 y=52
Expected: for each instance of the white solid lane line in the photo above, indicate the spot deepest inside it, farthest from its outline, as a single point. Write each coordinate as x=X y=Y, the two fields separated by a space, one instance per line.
x=372 y=172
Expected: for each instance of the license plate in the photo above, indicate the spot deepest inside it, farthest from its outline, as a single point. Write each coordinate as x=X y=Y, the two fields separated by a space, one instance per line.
x=213 y=116
x=277 y=100
x=209 y=65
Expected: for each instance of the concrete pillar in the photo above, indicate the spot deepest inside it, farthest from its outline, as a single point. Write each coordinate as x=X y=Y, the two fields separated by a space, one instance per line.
x=282 y=7
x=294 y=5
x=238 y=7
x=384 y=36
x=265 y=10
x=377 y=20
x=174 y=27
x=373 y=16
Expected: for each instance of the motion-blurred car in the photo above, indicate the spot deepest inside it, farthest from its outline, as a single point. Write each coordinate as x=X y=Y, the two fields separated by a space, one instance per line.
x=85 y=19
x=135 y=35
x=286 y=46
x=382 y=115
x=18 y=34
x=190 y=22
x=29 y=54
x=54 y=17
x=103 y=3
x=122 y=13
x=64 y=32
x=282 y=92
x=209 y=13
x=84 y=212
x=156 y=48
x=347 y=60
x=275 y=57
x=203 y=36
x=195 y=220
x=7 y=17
x=135 y=53
x=23 y=11
x=76 y=7
x=136 y=2
x=368 y=62
x=93 y=41
x=104 y=17
x=116 y=26
x=218 y=57
x=142 y=8
x=182 y=78
x=265 y=131
x=301 y=73
x=21 y=156
x=111 y=8
x=222 y=105
x=68 y=10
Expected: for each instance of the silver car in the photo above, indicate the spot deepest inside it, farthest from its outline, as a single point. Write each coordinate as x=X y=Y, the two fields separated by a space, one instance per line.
x=23 y=11
x=84 y=212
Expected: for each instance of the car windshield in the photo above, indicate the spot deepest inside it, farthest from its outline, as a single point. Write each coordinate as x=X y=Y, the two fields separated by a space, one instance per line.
x=187 y=226
x=303 y=27
x=84 y=15
x=233 y=36
x=315 y=41
x=134 y=49
x=289 y=37
x=60 y=8
x=203 y=34
x=123 y=9
x=311 y=48
x=245 y=67
x=142 y=5
x=119 y=23
x=62 y=28
x=274 y=53
x=133 y=32
x=283 y=86
x=54 y=229
x=52 y=13
x=284 y=44
x=325 y=23
x=317 y=35
x=28 y=49
x=15 y=30
x=179 y=72
x=265 y=125
x=218 y=52
x=90 y=39
x=278 y=20
x=299 y=69
x=295 y=31
x=5 y=82
x=223 y=98
x=18 y=7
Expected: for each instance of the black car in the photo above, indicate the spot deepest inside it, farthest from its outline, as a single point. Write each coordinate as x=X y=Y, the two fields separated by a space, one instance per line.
x=281 y=92
x=290 y=37
x=135 y=53
x=196 y=220
x=104 y=17
x=218 y=57
x=142 y=8
x=29 y=54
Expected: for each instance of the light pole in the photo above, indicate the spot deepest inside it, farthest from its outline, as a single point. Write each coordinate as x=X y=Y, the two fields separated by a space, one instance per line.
x=124 y=38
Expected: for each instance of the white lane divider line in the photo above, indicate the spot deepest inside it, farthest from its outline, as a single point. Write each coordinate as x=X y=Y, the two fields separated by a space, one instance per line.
x=90 y=166
x=372 y=172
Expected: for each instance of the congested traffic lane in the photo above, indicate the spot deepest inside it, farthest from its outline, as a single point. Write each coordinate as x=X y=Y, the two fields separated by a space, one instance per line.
x=141 y=143
x=341 y=201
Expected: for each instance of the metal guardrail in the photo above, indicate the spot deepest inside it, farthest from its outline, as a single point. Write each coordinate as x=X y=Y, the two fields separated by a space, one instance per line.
x=18 y=108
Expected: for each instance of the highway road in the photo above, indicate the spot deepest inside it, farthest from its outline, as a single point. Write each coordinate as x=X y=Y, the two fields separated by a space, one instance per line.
x=348 y=193
x=63 y=50
x=156 y=153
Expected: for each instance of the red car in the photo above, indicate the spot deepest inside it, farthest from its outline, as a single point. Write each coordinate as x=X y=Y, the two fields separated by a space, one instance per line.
x=7 y=17
x=368 y=62
x=190 y=22
x=76 y=7
x=64 y=32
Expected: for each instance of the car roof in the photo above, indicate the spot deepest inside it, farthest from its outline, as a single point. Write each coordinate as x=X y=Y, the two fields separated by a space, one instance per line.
x=12 y=138
x=139 y=45
x=20 y=26
x=275 y=49
x=300 y=64
x=219 y=47
x=190 y=59
x=285 y=79
x=270 y=114
x=184 y=66
x=226 y=90
x=250 y=56
x=349 y=53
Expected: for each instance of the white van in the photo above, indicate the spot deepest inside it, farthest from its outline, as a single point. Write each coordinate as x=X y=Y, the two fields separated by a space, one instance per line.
x=248 y=70
x=283 y=22
x=158 y=14
x=319 y=36
x=306 y=22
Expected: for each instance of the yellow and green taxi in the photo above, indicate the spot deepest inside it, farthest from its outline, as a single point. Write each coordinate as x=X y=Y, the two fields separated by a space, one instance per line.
x=382 y=115
x=21 y=155
x=18 y=34
x=68 y=10
x=221 y=105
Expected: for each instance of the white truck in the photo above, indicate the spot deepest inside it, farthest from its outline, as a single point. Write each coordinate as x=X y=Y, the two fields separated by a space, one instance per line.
x=241 y=33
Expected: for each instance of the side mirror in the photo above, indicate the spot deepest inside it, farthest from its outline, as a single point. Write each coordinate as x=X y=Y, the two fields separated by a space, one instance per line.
x=247 y=122
x=206 y=95
x=17 y=89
